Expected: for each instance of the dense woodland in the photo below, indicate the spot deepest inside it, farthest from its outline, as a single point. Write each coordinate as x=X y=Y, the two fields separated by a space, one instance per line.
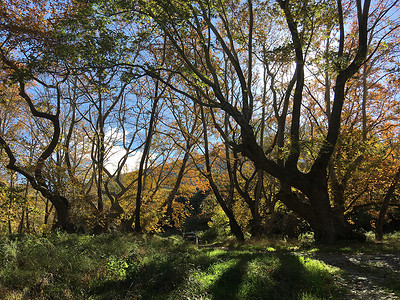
x=247 y=117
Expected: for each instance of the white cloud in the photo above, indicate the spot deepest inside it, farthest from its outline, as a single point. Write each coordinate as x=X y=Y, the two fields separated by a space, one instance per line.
x=114 y=135
x=116 y=154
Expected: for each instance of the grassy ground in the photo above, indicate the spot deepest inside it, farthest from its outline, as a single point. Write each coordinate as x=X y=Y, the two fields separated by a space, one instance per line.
x=116 y=266
x=144 y=267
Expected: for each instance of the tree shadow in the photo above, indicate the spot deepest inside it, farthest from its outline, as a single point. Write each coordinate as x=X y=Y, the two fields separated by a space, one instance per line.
x=158 y=277
x=155 y=279
x=228 y=284
x=368 y=271
x=234 y=275
x=289 y=280
x=293 y=280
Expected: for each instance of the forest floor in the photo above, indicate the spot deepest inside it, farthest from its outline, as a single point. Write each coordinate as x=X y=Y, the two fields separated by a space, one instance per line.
x=365 y=276
x=364 y=271
x=128 y=266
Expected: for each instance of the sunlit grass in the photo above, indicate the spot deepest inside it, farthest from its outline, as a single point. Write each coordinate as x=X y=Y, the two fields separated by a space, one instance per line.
x=117 y=266
x=390 y=244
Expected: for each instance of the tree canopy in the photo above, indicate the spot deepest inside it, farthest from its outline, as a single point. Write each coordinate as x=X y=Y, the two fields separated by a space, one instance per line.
x=119 y=114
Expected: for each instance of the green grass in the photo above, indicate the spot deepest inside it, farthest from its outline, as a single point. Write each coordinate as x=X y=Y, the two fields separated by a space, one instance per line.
x=117 y=266
x=390 y=244
x=306 y=244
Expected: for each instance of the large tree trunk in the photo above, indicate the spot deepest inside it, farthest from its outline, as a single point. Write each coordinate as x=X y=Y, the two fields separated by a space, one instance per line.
x=256 y=229
x=62 y=212
x=327 y=226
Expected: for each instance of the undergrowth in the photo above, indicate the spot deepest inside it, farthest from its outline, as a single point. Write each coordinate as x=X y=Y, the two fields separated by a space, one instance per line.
x=122 y=266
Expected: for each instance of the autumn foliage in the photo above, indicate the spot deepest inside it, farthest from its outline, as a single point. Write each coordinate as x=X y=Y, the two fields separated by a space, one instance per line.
x=260 y=117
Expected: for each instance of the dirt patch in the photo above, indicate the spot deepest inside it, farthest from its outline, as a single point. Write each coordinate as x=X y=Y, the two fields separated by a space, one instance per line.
x=366 y=276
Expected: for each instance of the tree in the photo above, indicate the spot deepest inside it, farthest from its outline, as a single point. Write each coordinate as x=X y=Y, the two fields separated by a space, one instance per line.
x=26 y=36
x=182 y=122
x=385 y=205
x=35 y=177
x=286 y=102
x=227 y=204
x=213 y=25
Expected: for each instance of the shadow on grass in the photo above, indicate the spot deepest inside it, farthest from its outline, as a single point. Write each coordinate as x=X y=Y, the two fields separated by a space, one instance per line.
x=220 y=275
x=155 y=277
x=300 y=277
x=274 y=276
x=228 y=283
x=376 y=270
x=149 y=280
